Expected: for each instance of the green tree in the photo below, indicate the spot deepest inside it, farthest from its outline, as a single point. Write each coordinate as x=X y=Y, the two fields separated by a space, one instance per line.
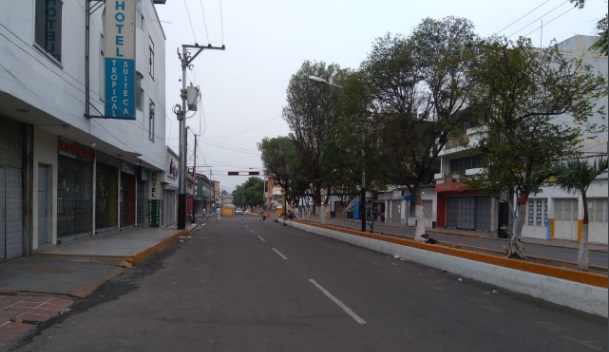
x=311 y=112
x=536 y=104
x=420 y=86
x=576 y=176
x=601 y=44
x=250 y=193
x=280 y=159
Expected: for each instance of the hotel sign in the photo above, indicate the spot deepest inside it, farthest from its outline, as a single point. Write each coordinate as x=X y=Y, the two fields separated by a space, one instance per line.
x=119 y=51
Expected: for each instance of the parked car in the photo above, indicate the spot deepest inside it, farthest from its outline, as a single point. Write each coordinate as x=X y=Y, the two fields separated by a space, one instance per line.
x=238 y=211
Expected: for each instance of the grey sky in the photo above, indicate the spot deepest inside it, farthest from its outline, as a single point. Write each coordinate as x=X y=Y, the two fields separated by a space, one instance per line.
x=243 y=87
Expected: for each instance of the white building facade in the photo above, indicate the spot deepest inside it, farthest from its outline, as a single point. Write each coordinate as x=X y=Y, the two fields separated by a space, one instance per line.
x=68 y=167
x=552 y=213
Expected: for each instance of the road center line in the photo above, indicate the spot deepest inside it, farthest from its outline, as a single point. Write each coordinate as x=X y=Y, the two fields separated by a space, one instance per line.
x=339 y=303
x=261 y=239
x=281 y=255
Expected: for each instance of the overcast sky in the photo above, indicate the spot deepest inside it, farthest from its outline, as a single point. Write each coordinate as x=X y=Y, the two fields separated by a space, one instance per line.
x=243 y=87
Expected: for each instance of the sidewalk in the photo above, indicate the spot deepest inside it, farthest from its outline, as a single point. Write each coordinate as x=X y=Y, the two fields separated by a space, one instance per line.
x=408 y=231
x=37 y=288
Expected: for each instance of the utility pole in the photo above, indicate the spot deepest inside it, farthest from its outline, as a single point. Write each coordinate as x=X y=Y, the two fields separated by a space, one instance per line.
x=186 y=60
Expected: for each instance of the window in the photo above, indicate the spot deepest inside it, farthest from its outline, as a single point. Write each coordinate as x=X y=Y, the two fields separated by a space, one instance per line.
x=597 y=209
x=565 y=209
x=462 y=164
x=537 y=212
x=48 y=26
x=139 y=92
x=139 y=17
x=151 y=58
x=151 y=121
x=102 y=68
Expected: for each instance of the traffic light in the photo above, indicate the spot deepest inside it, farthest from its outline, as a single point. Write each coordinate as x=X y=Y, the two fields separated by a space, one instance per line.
x=254 y=173
x=233 y=173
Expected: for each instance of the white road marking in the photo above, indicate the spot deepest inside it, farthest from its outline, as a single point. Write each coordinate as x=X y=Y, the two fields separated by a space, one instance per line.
x=339 y=303
x=281 y=255
x=252 y=231
x=261 y=239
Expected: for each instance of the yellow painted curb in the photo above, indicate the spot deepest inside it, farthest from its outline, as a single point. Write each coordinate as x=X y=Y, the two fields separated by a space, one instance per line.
x=138 y=258
x=82 y=293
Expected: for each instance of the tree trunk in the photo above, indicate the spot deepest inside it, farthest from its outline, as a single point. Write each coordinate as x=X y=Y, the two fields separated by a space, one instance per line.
x=419 y=215
x=516 y=250
x=583 y=261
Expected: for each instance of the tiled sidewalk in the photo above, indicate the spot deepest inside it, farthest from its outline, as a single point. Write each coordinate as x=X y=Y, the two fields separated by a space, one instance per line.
x=20 y=314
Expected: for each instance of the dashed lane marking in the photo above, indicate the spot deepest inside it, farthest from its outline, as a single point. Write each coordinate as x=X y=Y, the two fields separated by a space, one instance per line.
x=347 y=310
x=279 y=254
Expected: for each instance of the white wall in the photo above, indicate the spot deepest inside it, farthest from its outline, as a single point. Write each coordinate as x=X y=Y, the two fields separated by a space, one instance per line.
x=57 y=89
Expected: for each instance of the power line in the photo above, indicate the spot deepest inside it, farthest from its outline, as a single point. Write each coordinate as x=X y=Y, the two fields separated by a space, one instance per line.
x=221 y=21
x=523 y=16
x=204 y=22
x=550 y=21
x=189 y=20
x=538 y=18
x=247 y=130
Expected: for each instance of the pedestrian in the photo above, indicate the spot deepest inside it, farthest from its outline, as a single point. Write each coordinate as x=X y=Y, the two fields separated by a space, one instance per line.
x=262 y=214
x=218 y=212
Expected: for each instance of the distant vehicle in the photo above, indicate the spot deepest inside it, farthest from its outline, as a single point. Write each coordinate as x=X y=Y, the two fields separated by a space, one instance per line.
x=238 y=211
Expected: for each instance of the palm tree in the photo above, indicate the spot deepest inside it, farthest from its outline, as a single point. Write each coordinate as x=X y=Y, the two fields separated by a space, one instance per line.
x=576 y=176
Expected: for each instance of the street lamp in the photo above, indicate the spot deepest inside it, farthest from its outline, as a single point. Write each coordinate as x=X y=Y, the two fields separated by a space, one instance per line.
x=362 y=202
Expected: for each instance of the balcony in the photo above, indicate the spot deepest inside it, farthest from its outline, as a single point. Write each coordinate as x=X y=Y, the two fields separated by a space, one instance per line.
x=469 y=140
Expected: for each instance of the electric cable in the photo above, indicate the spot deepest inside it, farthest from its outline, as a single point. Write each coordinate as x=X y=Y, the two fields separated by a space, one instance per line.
x=204 y=21
x=538 y=18
x=189 y=20
x=521 y=17
x=550 y=21
x=247 y=130
x=221 y=21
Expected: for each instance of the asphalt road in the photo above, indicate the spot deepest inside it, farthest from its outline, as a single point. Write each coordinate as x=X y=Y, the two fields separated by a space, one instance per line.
x=240 y=284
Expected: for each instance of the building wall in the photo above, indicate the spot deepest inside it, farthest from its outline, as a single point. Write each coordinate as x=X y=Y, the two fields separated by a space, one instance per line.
x=45 y=153
x=592 y=145
x=49 y=94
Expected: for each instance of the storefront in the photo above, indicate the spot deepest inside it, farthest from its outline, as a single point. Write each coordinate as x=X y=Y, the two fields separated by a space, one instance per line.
x=74 y=189
x=106 y=193
x=128 y=195
x=11 y=180
x=141 y=198
x=169 y=207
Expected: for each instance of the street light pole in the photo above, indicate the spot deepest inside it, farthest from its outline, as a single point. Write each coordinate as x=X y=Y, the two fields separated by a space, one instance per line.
x=362 y=199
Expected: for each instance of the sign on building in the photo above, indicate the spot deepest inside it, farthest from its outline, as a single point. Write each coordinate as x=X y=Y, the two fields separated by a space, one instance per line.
x=119 y=51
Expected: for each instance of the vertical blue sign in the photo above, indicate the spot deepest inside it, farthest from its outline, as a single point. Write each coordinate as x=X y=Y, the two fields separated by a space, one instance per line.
x=120 y=59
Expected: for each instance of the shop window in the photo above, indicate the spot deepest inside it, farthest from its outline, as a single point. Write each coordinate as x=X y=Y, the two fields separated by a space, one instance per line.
x=48 y=26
